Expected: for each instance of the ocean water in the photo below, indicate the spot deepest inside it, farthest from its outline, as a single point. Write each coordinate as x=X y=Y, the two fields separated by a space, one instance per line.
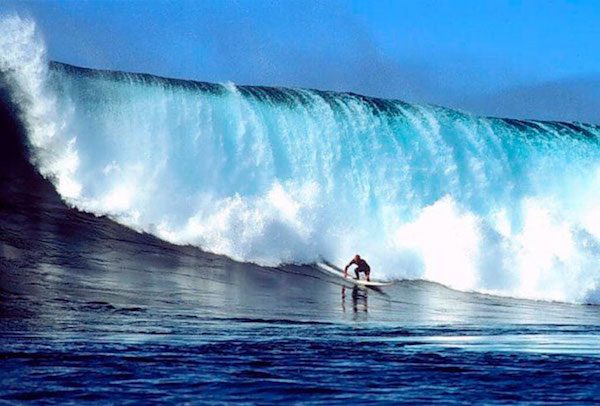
x=124 y=317
x=91 y=311
x=157 y=238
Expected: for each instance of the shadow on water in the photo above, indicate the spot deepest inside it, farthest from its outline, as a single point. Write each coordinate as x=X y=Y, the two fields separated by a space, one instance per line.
x=360 y=300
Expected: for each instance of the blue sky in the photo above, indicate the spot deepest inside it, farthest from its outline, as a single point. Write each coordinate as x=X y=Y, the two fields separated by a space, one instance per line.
x=527 y=59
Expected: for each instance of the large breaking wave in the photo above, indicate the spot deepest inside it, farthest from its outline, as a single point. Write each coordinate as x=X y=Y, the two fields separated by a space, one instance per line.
x=275 y=175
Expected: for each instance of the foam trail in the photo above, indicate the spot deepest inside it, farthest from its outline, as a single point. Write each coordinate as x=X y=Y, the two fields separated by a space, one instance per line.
x=274 y=175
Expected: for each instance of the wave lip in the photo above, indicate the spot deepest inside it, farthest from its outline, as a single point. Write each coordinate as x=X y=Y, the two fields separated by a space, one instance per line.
x=275 y=175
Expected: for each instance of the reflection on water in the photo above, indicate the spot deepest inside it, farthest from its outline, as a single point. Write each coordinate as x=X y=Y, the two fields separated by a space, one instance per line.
x=360 y=300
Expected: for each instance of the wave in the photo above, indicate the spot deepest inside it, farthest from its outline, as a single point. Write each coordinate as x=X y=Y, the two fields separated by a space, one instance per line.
x=276 y=175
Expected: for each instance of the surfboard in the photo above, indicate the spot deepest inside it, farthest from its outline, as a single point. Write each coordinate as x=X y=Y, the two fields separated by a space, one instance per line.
x=334 y=270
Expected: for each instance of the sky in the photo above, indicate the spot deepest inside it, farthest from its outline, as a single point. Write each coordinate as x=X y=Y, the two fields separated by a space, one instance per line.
x=522 y=59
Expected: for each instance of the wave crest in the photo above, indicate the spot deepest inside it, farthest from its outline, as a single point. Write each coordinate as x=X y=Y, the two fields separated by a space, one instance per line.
x=274 y=175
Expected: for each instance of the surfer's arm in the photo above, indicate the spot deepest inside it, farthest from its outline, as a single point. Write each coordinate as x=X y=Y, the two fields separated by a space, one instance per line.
x=348 y=266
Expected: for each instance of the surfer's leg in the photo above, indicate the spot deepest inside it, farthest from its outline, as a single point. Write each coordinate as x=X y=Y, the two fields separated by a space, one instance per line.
x=356 y=273
x=368 y=274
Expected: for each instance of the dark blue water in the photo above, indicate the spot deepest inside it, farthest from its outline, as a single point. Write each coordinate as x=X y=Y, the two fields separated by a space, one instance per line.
x=273 y=362
x=242 y=333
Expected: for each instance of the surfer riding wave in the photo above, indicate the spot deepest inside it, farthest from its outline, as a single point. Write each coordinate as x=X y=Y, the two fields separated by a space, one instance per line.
x=361 y=266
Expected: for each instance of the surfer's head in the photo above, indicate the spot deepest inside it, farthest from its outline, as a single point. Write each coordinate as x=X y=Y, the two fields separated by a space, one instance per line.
x=357 y=257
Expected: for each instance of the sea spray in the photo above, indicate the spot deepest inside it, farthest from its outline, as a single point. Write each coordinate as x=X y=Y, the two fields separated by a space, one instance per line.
x=274 y=175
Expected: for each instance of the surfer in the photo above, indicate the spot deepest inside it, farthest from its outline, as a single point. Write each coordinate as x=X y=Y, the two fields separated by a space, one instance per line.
x=361 y=266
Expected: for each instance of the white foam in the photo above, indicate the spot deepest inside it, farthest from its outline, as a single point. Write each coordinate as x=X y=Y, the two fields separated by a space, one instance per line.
x=428 y=193
x=24 y=63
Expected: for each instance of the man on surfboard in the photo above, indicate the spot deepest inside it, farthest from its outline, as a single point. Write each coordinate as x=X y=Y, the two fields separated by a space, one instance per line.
x=361 y=266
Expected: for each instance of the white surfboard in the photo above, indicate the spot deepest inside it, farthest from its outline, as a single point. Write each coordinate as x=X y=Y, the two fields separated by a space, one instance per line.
x=334 y=270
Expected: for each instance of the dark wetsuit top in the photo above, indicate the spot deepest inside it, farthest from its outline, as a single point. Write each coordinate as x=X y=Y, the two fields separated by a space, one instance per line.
x=362 y=265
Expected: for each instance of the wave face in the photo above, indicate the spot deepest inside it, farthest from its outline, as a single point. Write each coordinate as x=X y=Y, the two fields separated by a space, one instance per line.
x=275 y=175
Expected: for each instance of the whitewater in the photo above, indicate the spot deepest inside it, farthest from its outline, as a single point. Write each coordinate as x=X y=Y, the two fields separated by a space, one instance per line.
x=277 y=175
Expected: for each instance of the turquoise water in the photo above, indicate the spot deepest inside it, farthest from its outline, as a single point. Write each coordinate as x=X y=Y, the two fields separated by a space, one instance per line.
x=275 y=175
